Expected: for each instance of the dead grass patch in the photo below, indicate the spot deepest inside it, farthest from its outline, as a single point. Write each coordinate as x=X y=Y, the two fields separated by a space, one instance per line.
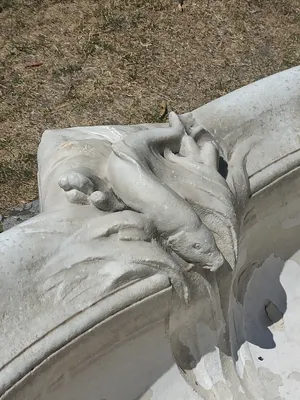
x=114 y=62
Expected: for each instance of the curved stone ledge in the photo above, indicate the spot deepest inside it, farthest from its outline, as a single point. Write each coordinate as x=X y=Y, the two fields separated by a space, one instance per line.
x=67 y=350
x=49 y=342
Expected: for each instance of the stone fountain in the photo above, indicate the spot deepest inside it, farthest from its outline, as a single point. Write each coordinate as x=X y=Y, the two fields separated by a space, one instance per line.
x=164 y=262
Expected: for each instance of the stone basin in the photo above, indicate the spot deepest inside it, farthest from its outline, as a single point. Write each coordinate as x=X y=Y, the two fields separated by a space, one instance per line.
x=137 y=343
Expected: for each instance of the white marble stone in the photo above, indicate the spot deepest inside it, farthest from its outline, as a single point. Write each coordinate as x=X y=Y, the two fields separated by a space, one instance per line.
x=149 y=273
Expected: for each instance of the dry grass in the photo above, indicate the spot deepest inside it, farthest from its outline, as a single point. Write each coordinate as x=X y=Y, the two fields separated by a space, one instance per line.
x=113 y=61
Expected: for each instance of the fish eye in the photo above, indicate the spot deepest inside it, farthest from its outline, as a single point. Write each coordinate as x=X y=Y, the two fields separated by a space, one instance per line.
x=197 y=246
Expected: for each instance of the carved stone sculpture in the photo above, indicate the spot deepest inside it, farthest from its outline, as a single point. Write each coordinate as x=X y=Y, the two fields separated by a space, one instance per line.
x=164 y=262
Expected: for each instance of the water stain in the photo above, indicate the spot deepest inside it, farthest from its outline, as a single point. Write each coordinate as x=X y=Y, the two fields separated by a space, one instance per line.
x=57 y=384
x=271 y=382
x=295 y=376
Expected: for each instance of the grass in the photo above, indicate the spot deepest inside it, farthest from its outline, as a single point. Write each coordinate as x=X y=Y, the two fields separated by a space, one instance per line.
x=66 y=63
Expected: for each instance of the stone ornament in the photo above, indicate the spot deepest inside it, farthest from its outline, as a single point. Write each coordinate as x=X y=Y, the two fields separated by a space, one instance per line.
x=164 y=261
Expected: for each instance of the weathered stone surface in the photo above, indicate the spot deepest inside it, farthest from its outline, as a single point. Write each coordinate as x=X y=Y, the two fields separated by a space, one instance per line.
x=149 y=274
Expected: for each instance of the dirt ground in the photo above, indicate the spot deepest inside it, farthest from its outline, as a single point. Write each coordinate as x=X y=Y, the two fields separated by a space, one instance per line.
x=85 y=62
